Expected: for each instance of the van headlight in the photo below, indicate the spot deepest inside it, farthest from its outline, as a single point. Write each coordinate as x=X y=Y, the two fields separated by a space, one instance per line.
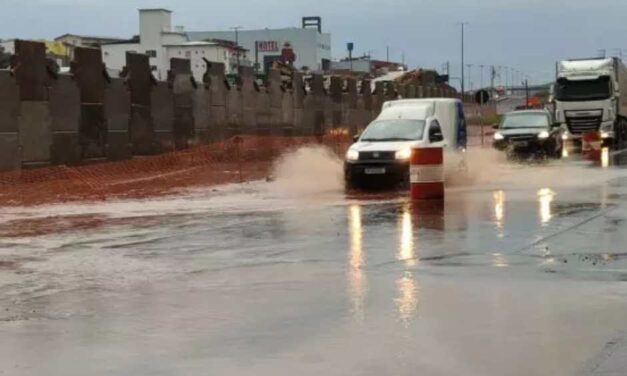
x=403 y=154
x=498 y=136
x=543 y=135
x=352 y=155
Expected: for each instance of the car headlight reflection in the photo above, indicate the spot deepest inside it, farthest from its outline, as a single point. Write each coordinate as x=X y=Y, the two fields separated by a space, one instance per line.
x=543 y=135
x=498 y=136
x=403 y=154
x=352 y=155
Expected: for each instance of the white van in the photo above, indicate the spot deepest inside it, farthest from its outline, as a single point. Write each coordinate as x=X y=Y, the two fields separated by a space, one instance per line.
x=381 y=154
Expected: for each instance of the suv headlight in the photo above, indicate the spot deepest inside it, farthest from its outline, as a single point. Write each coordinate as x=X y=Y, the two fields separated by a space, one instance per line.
x=352 y=155
x=498 y=136
x=403 y=154
x=543 y=135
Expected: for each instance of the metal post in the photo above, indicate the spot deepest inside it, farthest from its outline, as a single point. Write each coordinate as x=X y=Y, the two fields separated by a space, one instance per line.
x=256 y=57
x=462 y=57
x=350 y=59
x=236 y=29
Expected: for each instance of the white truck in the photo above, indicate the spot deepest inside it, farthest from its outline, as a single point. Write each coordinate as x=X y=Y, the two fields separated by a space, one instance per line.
x=590 y=95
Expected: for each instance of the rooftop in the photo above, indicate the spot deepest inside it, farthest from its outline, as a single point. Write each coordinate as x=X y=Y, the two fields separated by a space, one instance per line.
x=89 y=37
x=154 y=10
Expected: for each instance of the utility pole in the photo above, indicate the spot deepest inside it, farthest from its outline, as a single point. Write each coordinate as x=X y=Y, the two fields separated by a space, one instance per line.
x=462 y=24
x=526 y=93
x=236 y=29
x=492 y=77
x=387 y=53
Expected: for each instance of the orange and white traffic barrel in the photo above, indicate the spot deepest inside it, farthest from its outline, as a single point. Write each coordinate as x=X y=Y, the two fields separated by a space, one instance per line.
x=426 y=174
x=591 y=144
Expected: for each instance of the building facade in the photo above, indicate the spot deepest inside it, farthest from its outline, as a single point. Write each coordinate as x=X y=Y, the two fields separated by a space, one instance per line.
x=312 y=48
x=161 y=42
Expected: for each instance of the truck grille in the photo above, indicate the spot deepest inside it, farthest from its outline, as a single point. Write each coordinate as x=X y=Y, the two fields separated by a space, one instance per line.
x=376 y=155
x=579 y=125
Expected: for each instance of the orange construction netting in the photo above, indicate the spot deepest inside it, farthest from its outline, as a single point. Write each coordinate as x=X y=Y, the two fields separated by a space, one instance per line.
x=235 y=160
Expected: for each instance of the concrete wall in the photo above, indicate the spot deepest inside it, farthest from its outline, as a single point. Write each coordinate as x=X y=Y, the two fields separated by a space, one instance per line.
x=73 y=119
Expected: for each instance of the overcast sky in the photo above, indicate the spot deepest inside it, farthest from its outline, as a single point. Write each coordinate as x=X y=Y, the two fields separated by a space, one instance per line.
x=529 y=35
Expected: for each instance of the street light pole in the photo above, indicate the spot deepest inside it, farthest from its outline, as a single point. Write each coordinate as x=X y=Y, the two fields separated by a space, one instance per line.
x=462 y=24
x=469 y=75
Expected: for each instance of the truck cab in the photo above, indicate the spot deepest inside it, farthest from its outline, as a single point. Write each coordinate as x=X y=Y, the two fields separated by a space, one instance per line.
x=589 y=96
x=381 y=154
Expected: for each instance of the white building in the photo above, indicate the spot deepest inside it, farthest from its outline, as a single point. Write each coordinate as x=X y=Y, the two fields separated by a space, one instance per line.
x=161 y=42
x=311 y=46
x=8 y=46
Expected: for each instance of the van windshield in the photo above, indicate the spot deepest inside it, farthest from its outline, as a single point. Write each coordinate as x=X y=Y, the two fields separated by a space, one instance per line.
x=525 y=120
x=394 y=130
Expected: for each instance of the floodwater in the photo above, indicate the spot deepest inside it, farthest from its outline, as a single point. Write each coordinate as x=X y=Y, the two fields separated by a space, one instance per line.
x=520 y=273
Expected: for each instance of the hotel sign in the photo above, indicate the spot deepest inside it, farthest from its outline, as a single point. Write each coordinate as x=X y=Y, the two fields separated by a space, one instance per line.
x=267 y=46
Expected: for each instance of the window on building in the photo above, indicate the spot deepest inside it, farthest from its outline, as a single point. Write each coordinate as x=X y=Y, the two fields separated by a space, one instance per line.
x=180 y=52
x=151 y=53
x=153 y=67
x=106 y=53
x=188 y=54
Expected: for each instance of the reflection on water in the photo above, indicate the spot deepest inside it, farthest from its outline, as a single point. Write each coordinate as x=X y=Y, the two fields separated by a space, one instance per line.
x=499 y=260
x=406 y=251
x=407 y=299
x=605 y=157
x=545 y=198
x=356 y=261
x=499 y=210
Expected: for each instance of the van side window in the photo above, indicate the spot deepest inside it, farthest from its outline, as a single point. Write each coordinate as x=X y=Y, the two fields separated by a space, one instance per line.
x=435 y=132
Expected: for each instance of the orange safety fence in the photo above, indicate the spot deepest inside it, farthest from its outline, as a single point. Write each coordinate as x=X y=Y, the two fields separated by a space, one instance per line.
x=238 y=159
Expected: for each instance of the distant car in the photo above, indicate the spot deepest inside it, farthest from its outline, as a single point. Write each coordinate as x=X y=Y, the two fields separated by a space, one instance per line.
x=528 y=131
x=380 y=155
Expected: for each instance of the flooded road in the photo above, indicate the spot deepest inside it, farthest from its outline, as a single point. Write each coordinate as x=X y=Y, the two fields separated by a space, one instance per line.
x=521 y=273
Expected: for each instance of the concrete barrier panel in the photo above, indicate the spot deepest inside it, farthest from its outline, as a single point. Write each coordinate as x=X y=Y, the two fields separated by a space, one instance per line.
x=9 y=103
x=10 y=151
x=64 y=105
x=66 y=149
x=31 y=73
x=117 y=107
x=183 y=88
x=90 y=74
x=201 y=115
x=93 y=133
x=249 y=99
x=287 y=113
x=142 y=134
x=263 y=113
x=163 y=118
x=35 y=133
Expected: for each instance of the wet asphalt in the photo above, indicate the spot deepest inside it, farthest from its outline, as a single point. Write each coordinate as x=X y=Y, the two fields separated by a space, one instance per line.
x=520 y=273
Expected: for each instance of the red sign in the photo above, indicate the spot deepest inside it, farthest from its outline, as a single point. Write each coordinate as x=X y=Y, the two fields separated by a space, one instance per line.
x=268 y=46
